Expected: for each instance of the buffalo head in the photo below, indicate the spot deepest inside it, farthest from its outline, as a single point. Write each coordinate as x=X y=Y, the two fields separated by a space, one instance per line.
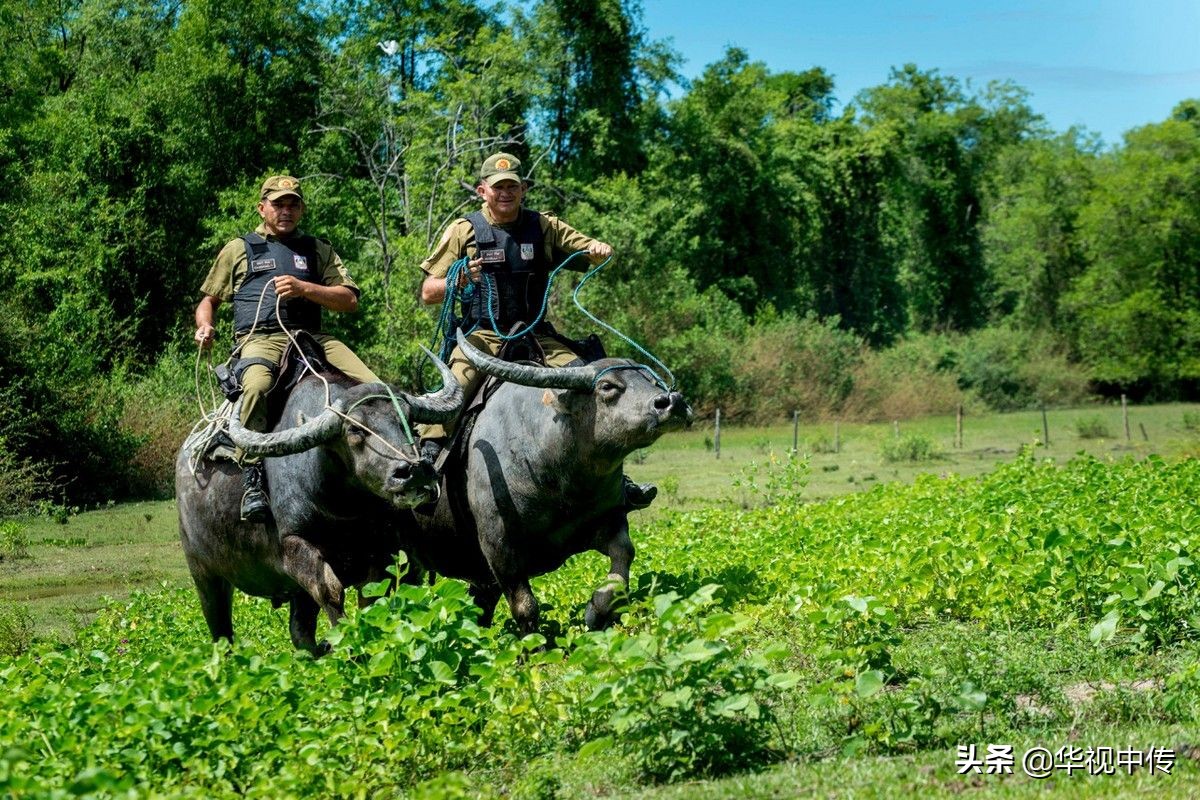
x=616 y=403
x=362 y=428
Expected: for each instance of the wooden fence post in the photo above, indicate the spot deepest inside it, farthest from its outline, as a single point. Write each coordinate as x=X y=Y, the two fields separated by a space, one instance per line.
x=896 y=428
x=795 y=431
x=958 y=428
x=1045 y=428
x=1144 y=436
x=1125 y=416
x=837 y=436
x=717 y=435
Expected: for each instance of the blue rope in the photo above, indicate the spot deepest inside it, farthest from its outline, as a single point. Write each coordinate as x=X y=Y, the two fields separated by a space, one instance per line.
x=467 y=293
x=611 y=329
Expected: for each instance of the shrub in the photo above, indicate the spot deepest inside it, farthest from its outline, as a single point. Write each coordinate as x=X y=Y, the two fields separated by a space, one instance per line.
x=793 y=364
x=16 y=630
x=912 y=379
x=13 y=541
x=1191 y=421
x=1011 y=369
x=1091 y=428
x=22 y=482
x=909 y=447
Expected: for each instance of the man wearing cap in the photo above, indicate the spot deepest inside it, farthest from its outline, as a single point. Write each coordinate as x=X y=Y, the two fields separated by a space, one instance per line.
x=275 y=261
x=518 y=248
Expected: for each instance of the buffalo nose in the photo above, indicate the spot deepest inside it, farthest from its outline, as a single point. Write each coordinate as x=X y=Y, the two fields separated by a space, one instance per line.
x=672 y=404
x=402 y=471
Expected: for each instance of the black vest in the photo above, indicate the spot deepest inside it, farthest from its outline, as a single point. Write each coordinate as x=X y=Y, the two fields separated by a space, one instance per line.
x=515 y=261
x=265 y=261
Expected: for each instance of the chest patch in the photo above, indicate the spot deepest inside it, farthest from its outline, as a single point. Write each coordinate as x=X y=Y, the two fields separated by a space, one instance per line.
x=300 y=263
x=262 y=265
x=495 y=256
x=527 y=252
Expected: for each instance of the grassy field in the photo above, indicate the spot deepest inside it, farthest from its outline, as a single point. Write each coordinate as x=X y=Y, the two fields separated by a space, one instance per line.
x=77 y=562
x=769 y=647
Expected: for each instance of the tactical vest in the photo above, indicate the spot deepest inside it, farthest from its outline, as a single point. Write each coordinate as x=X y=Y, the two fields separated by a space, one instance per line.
x=515 y=260
x=267 y=259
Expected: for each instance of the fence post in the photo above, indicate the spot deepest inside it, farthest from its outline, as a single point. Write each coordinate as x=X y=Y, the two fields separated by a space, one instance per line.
x=795 y=431
x=1045 y=428
x=1125 y=416
x=1144 y=435
x=958 y=428
x=896 y=428
x=717 y=435
x=837 y=436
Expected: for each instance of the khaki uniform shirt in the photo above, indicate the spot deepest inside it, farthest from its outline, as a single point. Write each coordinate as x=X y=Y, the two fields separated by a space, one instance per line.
x=229 y=269
x=561 y=240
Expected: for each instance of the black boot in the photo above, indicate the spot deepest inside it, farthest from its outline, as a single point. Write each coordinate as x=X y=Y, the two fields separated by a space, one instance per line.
x=638 y=495
x=256 y=507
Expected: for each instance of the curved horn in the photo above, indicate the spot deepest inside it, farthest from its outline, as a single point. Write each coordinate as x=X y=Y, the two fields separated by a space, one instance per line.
x=441 y=406
x=315 y=431
x=579 y=379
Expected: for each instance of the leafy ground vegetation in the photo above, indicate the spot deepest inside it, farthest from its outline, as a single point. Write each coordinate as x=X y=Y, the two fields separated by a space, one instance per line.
x=848 y=645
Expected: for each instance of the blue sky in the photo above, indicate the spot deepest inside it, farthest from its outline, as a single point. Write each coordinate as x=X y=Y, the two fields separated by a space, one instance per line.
x=1106 y=66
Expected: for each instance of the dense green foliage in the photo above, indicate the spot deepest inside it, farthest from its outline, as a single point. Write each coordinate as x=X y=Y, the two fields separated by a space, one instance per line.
x=768 y=245
x=907 y=618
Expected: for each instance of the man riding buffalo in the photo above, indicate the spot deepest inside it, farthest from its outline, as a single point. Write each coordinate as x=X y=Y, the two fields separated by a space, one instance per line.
x=518 y=248
x=276 y=261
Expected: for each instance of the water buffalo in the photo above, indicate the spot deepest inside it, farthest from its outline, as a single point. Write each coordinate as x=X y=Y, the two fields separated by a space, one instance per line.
x=540 y=480
x=338 y=477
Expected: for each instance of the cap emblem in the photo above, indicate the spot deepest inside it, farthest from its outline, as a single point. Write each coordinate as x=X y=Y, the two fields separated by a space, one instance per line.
x=287 y=183
x=503 y=163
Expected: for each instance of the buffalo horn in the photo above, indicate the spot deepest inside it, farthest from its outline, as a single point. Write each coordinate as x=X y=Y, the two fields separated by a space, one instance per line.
x=441 y=406
x=316 y=431
x=577 y=378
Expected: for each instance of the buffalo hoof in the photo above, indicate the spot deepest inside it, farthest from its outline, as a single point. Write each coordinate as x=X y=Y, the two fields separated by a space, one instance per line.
x=596 y=619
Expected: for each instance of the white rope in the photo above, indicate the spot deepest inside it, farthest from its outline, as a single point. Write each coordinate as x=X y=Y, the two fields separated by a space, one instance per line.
x=212 y=423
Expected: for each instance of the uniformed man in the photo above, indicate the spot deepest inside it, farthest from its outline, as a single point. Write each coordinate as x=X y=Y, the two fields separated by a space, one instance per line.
x=518 y=248
x=277 y=260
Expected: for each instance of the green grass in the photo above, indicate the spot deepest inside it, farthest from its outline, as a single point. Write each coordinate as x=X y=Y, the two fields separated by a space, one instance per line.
x=74 y=567
x=686 y=458
x=837 y=648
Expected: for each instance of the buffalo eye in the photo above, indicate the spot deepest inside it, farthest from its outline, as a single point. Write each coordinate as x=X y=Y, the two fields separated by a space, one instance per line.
x=356 y=436
x=609 y=390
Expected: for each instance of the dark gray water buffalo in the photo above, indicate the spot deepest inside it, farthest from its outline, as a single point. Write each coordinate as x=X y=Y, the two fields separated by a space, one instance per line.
x=339 y=478
x=542 y=480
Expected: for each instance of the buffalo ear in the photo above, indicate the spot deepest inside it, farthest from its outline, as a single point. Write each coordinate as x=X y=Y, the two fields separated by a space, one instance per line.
x=557 y=399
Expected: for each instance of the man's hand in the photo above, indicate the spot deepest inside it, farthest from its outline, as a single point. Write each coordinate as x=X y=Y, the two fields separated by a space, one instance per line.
x=205 y=335
x=599 y=250
x=474 y=273
x=287 y=287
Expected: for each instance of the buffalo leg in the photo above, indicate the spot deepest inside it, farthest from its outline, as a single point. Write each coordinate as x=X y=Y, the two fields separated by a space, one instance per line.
x=619 y=549
x=216 y=602
x=302 y=624
x=486 y=598
x=305 y=565
x=523 y=604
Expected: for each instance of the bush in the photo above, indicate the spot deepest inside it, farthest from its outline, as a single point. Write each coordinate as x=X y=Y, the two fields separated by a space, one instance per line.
x=16 y=630
x=910 y=447
x=14 y=543
x=1012 y=369
x=912 y=379
x=793 y=364
x=22 y=482
x=159 y=408
x=1091 y=428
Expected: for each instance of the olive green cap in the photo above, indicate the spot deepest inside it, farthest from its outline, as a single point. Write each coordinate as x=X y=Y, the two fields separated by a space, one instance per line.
x=501 y=167
x=278 y=186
